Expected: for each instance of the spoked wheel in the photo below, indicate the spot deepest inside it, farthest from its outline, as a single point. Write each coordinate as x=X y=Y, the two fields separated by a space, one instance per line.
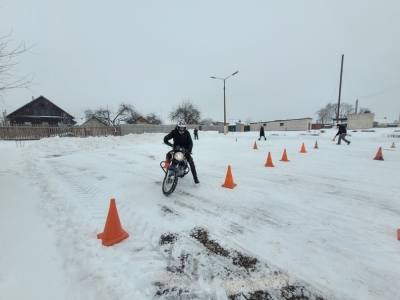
x=169 y=183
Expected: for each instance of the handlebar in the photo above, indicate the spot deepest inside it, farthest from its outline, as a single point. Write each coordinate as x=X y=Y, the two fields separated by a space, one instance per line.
x=178 y=148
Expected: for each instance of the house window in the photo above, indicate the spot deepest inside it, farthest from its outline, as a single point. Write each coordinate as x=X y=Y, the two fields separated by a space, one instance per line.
x=28 y=123
x=264 y=124
x=42 y=105
x=280 y=124
x=45 y=123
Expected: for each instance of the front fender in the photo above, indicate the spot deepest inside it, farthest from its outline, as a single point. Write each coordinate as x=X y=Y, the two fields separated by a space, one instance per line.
x=173 y=168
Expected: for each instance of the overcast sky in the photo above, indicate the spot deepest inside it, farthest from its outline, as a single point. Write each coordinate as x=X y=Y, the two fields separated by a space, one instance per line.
x=154 y=54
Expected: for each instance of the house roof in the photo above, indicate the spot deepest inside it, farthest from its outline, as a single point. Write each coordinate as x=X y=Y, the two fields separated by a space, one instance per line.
x=94 y=118
x=232 y=121
x=280 y=120
x=386 y=120
x=14 y=113
x=142 y=119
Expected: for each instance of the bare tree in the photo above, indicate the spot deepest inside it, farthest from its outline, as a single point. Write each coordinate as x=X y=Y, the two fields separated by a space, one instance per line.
x=132 y=116
x=187 y=111
x=248 y=121
x=208 y=121
x=345 y=109
x=125 y=113
x=363 y=110
x=102 y=114
x=154 y=119
x=327 y=113
x=8 y=78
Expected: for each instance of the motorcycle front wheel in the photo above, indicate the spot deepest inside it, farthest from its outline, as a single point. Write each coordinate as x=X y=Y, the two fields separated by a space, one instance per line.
x=170 y=182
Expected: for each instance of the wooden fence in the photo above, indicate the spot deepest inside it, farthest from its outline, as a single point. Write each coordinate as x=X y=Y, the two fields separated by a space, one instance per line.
x=38 y=132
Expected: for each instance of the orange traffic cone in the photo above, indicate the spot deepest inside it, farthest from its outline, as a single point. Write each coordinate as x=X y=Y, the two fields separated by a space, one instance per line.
x=284 y=156
x=269 y=161
x=393 y=146
x=316 y=145
x=113 y=232
x=255 y=145
x=398 y=234
x=229 y=180
x=303 y=149
x=378 y=155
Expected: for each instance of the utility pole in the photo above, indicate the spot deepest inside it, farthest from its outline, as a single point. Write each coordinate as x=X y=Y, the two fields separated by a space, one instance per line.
x=340 y=91
x=4 y=117
x=356 y=110
x=224 y=97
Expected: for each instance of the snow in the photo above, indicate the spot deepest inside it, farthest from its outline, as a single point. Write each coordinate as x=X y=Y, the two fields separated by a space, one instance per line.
x=322 y=225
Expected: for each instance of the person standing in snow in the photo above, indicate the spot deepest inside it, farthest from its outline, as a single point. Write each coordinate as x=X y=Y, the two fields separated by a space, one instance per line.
x=262 y=134
x=342 y=132
x=182 y=138
x=196 y=135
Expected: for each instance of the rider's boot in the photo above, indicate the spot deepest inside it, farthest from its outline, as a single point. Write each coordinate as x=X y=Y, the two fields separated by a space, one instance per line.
x=194 y=173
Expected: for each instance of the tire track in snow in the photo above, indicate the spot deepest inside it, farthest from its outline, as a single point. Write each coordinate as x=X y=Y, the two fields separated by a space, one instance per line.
x=143 y=244
x=76 y=211
x=210 y=215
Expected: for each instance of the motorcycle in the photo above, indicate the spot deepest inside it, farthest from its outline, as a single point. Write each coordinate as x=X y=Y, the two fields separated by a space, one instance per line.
x=178 y=167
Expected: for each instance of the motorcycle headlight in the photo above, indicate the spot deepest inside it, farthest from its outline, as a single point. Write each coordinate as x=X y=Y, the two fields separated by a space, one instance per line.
x=178 y=156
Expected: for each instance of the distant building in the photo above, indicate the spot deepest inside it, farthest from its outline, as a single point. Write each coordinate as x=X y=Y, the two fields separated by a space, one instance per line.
x=141 y=120
x=235 y=125
x=40 y=111
x=360 y=121
x=339 y=120
x=94 y=122
x=282 y=125
x=385 y=122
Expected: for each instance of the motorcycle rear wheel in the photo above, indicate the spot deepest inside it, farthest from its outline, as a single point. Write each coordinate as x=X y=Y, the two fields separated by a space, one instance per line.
x=169 y=183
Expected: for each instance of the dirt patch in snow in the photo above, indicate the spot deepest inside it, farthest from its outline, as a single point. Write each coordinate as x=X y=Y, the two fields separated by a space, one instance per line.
x=289 y=292
x=240 y=276
x=237 y=258
x=167 y=238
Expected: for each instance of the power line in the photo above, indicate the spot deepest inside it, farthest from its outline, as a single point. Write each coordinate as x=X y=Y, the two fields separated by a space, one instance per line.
x=348 y=82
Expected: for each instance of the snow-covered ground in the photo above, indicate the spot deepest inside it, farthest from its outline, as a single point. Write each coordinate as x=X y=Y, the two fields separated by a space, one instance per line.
x=323 y=225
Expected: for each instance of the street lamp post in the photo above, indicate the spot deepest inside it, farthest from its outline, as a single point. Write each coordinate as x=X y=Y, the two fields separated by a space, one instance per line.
x=224 y=97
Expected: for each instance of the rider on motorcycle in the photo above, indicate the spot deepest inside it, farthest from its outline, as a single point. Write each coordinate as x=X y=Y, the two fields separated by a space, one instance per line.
x=183 y=139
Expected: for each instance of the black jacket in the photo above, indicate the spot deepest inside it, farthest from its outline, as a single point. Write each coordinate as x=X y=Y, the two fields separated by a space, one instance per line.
x=341 y=130
x=261 y=131
x=184 y=140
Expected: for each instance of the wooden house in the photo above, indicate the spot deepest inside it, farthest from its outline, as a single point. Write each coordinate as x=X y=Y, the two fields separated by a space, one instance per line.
x=142 y=120
x=94 y=122
x=40 y=111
